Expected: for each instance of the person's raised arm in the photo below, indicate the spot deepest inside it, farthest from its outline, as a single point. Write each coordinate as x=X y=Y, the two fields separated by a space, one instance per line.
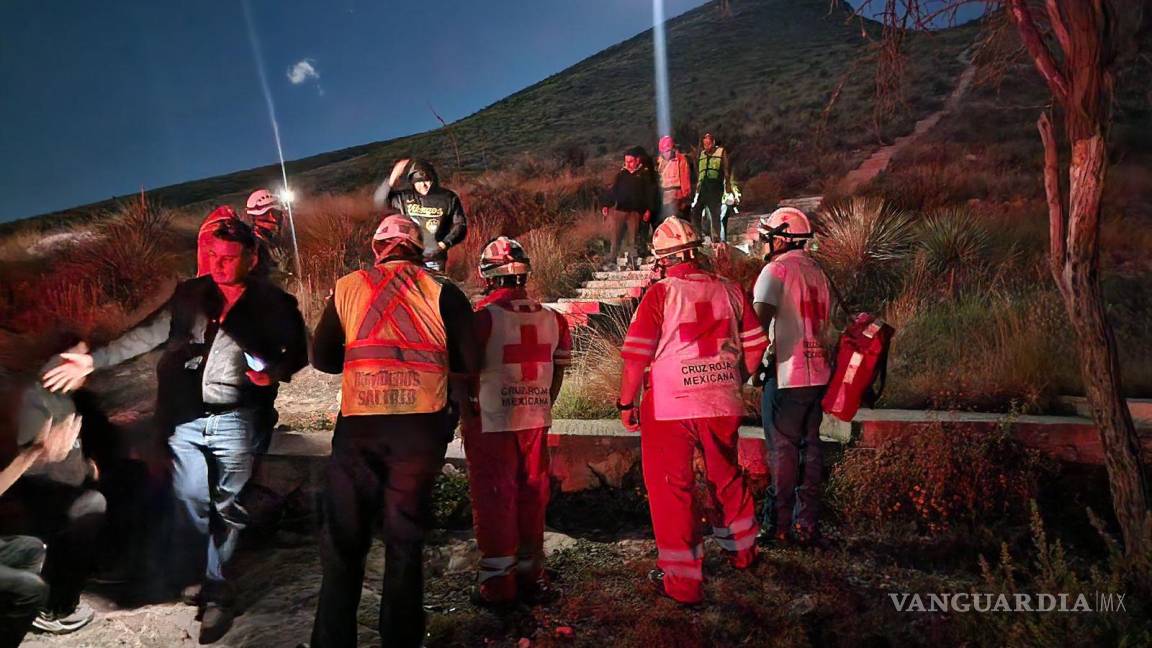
x=75 y=364
x=53 y=443
x=384 y=191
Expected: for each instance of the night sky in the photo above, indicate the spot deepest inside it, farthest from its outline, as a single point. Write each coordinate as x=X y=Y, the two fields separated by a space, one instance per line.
x=102 y=98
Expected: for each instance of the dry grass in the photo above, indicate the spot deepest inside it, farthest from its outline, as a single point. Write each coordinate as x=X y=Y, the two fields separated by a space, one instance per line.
x=91 y=291
x=592 y=384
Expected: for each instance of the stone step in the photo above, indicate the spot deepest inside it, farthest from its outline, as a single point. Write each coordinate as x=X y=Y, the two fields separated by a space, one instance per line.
x=607 y=293
x=620 y=275
x=594 y=305
x=608 y=284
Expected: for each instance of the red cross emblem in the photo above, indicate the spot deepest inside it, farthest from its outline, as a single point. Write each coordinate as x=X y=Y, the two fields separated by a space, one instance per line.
x=811 y=306
x=529 y=353
x=706 y=331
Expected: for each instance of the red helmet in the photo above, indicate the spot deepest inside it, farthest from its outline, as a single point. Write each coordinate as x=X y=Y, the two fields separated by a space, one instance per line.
x=396 y=231
x=218 y=215
x=504 y=256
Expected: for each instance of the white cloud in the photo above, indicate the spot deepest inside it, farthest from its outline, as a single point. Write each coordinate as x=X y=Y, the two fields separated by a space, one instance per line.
x=303 y=71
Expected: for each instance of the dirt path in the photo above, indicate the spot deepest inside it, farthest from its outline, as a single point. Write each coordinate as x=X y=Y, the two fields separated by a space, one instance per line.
x=878 y=161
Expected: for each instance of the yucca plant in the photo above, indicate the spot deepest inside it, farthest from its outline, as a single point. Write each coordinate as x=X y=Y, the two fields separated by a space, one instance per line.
x=864 y=244
x=955 y=243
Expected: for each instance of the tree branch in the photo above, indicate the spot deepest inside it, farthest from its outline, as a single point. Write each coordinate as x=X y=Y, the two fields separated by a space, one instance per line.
x=1057 y=240
x=1038 y=49
x=1056 y=19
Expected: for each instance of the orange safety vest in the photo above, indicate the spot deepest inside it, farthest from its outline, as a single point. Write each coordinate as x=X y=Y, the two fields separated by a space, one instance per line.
x=395 y=349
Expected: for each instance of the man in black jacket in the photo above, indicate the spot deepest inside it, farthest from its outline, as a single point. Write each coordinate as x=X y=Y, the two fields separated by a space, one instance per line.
x=230 y=339
x=634 y=197
x=435 y=210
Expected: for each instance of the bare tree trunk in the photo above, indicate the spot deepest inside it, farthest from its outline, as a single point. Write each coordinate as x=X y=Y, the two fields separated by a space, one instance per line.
x=1081 y=85
x=1075 y=264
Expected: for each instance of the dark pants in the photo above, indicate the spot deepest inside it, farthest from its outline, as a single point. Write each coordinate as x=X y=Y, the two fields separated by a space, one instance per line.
x=22 y=592
x=70 y=520
x=708 y=200
x=795 y=457
x=381 y=467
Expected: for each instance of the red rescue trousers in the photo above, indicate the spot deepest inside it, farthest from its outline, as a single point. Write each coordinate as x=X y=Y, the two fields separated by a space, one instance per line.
x=509 y=483
x=667 y=449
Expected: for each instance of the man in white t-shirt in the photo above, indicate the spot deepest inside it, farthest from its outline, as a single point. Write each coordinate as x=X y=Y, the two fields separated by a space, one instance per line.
x=791 y=298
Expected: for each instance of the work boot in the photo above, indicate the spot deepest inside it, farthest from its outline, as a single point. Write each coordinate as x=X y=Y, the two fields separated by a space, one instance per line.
x=192 y=594
x=656 y=577
x=216 y=622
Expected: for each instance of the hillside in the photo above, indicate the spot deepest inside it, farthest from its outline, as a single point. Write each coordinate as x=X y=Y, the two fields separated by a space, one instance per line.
x=760 y=78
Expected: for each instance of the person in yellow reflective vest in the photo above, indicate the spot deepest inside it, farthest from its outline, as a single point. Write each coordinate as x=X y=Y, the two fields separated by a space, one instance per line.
x=713 y=178
x=398 y=334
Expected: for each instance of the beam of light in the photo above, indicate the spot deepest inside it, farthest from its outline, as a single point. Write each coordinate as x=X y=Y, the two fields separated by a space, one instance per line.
x=258 y=58
x=663 y=102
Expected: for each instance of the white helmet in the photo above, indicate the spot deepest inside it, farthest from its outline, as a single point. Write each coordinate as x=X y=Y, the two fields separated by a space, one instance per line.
x=672 y=236
x=786 y=222
x=261 y=201
x=504 y=256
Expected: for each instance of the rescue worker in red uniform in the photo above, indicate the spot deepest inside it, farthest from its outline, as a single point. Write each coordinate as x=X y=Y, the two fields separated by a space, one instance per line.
x=698 y=336
x=525 y=349
x=396 y=332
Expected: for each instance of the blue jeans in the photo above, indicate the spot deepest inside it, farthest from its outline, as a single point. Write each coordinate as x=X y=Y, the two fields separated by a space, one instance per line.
x=211 y=463
x=767 y=514
x=791 y=418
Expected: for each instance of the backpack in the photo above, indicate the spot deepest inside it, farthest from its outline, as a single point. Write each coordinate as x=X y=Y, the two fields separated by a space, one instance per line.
x=861 y=367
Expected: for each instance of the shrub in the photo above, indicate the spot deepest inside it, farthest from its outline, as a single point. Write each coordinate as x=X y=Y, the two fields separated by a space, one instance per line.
x=864 y=245
x=939 y=478
x=1049 y=571
x=130 y=256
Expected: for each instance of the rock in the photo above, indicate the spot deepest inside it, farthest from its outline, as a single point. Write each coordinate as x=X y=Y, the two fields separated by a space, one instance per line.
x=555 y=541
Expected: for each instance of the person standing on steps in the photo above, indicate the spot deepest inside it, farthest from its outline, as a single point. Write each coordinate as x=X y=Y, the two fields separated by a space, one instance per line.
x=525 y=350
x=401 y=336
x=699 y=337
x=675 y=181
x=437 y=211
x=713 y=180
x=792 y=301
x=229 y=338
x=630 y=201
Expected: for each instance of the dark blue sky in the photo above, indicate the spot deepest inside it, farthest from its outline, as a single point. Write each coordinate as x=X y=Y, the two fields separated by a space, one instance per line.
x=103 y=97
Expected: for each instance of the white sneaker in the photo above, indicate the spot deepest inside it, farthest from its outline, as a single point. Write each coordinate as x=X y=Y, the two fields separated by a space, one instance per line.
x=60 y=624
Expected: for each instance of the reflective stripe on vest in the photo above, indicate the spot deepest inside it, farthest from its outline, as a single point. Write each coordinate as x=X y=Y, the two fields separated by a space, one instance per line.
x=395 y=354
x=708 y=167
x=670 y=173
x=696 y=372
x=518 y=368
